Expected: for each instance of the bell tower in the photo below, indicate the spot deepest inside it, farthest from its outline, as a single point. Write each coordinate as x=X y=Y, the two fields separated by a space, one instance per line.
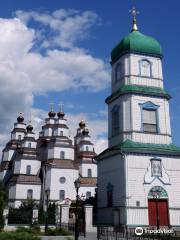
x=138 y=106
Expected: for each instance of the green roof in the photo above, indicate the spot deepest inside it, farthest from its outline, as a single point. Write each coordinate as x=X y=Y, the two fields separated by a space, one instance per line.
x=129 y=146
x=138 y=43
x=138 y=89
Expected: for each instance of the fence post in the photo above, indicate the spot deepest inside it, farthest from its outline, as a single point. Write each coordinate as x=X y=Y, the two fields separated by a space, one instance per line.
x=5 y=215
x=35 y=215
x=89 y=218
x=64 y=216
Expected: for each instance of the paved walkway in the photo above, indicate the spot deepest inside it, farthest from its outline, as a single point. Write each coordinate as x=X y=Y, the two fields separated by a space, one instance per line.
x=89 y=236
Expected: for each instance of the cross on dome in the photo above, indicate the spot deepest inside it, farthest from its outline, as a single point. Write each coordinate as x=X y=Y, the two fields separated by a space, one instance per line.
x=61 y=106
x=134 y=13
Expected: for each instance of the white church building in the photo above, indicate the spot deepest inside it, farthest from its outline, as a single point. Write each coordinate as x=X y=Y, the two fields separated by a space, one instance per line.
x=139 y=172
x=46 y=168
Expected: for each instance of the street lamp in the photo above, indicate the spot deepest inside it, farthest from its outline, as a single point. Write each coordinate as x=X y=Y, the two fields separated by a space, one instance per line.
x=77 y=185
x=156 y=195
x=46 y=209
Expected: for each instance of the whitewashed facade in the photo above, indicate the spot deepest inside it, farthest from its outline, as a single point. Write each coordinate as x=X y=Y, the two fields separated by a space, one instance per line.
x=47 y=167
x=139 y=173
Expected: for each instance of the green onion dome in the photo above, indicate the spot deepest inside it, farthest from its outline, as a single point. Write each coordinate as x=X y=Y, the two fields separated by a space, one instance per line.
x=137 y=43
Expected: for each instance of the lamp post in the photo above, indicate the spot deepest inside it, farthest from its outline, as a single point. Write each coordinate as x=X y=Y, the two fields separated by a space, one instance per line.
x=77 y=184
x=46 y=209
x=156 y=196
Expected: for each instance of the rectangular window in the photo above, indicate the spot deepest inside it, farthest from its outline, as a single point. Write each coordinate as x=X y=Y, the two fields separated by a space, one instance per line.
x=89 y=172
x=149 y=120
x=61 y=195
x=115 y=121
x=109 y=198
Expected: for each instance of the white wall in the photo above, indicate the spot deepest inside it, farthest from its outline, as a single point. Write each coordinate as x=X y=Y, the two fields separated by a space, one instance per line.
x=84 y=169
x=55 y=152
x=20 y=166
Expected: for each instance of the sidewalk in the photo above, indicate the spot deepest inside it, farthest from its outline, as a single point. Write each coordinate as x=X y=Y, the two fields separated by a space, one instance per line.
x=89 y=236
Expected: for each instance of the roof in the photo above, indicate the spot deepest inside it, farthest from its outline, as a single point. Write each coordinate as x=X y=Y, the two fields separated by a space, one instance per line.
x=138 y=89
x=129 y=146
x=25 y=179
x=63 y=164
x=138 y=43
x=90 y=181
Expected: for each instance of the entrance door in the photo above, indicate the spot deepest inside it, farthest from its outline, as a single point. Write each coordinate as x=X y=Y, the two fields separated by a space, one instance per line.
x=158 y=209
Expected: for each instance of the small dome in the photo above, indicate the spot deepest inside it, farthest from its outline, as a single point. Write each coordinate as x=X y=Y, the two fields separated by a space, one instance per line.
x=52 y=114
x=60 y=114
x=29 y=128
x=20 y=118
x=137 y=43
x=82 y=124
x=85 y=131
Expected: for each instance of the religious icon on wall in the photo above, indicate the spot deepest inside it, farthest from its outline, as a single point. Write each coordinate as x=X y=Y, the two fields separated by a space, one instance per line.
x=156 y=167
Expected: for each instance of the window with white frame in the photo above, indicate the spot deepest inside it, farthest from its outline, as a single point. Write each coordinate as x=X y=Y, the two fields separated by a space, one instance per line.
x=87 y=148
x=29 y=194
x=156 y=167
x=61 y=133
x=145 y=68
x=61 y=195
x=62 y=155
x=29 y=145
x=28 y=169
x=115 y=120
x=149 y=120
x=118 y=72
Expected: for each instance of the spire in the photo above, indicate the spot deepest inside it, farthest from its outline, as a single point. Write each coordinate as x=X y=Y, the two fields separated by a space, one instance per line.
x=61 y=114
x=52 y=114
x=134 y=12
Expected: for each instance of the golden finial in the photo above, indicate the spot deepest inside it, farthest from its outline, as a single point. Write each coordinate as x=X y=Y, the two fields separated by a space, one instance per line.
x=134 y=12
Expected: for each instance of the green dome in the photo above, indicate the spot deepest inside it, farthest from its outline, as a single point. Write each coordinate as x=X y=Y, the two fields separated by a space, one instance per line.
x=136 y=42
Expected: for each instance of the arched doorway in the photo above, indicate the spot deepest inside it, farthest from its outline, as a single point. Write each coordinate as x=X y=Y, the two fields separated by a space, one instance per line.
x=158 y=207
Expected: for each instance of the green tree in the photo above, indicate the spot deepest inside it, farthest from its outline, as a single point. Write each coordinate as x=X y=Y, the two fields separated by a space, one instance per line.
x=3 y=199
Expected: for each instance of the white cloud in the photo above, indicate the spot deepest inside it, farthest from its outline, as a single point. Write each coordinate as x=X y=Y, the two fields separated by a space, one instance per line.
x=28 y=69
x=67 y=26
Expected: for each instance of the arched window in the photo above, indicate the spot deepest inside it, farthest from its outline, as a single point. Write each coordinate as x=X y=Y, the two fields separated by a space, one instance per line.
x=89 y=172
x=62 y=155
x=115 y=120
x=87 y=148
x=149 y=117
x=29 y=194
x=29 y=145
x=88 y=195
x=28 y=169
x=61 y=195
x=19 y=137
x=145 y=68
x=118 y=72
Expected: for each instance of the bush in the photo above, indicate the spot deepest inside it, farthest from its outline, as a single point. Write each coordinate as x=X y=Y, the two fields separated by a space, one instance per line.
x=17 y=235
x=57 y=232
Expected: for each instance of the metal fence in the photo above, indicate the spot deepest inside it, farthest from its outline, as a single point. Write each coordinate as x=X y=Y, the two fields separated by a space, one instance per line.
x=122 y=233
x=70 y=227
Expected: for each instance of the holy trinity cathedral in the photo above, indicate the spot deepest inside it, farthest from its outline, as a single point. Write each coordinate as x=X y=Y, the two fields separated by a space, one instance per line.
x=46 y=168
x=139 y=173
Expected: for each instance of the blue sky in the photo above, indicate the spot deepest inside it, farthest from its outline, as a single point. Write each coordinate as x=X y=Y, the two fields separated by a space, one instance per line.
x=105 y=23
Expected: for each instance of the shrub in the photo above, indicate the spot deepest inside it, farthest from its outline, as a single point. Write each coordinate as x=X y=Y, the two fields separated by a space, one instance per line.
x=17 y=235
x=58 y=231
